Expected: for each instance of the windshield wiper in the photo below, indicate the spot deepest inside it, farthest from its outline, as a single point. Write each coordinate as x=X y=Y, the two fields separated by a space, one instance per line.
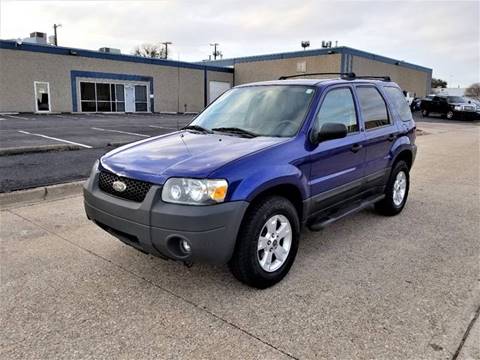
x=237 y=131
x=197 y=128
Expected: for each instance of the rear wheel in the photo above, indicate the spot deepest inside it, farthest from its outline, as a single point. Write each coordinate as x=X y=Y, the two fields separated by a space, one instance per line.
x=425 y=113
x=396 y=192
x=267 y=243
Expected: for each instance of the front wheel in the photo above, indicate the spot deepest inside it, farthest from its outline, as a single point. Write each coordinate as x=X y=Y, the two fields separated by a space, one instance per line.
x=425 y=113
x=396 y=192
x=450 y=115
x=267 y=243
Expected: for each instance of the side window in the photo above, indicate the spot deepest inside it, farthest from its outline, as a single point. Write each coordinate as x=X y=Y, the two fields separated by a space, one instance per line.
x=399 y=102
x=373 y=106
x=338 y=107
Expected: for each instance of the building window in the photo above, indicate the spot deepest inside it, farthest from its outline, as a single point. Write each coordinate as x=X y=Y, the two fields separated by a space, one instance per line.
x=42 y=96
x=88 y=97
x=120 y=97
x=102 y=97
x=141 y=98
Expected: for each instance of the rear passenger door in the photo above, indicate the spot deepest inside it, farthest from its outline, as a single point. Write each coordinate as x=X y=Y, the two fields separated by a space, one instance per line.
x=337 y=165
x=380 y=133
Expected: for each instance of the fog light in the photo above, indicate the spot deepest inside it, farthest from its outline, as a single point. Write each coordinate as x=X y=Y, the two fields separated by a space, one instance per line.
x=185 y=246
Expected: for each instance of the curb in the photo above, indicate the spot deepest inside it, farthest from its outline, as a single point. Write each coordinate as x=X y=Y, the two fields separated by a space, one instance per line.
x=31 y=196
x=38 y=149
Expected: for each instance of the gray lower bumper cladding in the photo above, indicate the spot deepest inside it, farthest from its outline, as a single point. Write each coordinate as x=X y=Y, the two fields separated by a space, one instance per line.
x=158 y=228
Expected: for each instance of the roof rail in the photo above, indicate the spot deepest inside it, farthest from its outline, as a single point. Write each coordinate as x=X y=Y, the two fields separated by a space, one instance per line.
x=373 y=77
x=348 y=75
x=343 y=75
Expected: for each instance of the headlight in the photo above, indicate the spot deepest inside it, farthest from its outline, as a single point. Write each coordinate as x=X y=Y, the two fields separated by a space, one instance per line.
x=458 y=108
x=194 y=191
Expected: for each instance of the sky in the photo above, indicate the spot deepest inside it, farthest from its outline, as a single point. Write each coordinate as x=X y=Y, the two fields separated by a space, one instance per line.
x=442 y=35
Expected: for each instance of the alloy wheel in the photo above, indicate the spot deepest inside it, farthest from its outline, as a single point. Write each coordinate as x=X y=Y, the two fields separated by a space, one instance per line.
x=399 y=188
x=274 y=243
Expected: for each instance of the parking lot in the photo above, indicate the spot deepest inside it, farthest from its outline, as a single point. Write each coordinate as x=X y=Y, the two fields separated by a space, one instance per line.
x=78 y=140
x=367 y=287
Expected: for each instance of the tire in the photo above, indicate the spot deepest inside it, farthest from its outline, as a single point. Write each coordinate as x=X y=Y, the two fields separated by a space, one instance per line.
x=391 y=205
x=425 y=113
x=246 y=261
x=450 y=115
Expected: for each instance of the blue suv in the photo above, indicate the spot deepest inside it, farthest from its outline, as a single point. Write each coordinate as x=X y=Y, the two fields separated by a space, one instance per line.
x=264 y=160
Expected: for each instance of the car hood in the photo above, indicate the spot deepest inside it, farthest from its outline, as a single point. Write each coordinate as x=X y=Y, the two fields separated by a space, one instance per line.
x=183 y=153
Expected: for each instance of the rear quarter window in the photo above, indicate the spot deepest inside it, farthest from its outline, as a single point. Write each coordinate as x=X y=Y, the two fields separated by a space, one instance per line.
x=399 y=102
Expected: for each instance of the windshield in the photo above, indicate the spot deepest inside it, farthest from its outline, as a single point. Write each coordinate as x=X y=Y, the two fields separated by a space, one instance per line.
x=455 y=99
x=260 y=110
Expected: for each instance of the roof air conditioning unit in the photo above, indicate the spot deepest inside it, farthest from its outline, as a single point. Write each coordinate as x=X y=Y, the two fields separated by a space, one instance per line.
x=109 y=50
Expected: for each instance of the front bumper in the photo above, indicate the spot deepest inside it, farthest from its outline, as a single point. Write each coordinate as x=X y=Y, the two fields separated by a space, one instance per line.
x=466 y=115
x=156 y=227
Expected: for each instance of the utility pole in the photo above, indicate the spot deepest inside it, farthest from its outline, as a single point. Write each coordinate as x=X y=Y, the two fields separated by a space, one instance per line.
x=166 y=43
x=55 y=26
x=215 y=52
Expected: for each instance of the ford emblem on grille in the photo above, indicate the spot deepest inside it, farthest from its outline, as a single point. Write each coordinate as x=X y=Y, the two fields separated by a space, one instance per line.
x=119 y=186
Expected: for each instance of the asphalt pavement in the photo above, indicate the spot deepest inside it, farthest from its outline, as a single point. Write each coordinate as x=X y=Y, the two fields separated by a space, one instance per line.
x=29 y=140
x=366 y=287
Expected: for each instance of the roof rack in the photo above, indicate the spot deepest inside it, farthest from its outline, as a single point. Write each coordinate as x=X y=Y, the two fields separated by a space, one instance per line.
x=343 y=75
x=383 y=78
x=349 y=75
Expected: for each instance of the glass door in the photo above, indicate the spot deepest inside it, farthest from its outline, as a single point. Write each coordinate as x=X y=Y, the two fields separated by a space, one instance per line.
x=141 y=103
x=42 y=96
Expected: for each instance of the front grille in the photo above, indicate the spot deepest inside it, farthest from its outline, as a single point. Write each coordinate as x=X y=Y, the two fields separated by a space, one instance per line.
x=469 y=108
x=135 y=190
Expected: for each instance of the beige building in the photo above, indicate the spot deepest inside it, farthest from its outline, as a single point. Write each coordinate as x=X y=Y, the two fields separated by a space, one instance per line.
x=43 y=78
x=410 y=77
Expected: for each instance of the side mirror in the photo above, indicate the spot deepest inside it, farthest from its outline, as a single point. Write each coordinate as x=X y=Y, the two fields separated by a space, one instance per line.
x=330 y=131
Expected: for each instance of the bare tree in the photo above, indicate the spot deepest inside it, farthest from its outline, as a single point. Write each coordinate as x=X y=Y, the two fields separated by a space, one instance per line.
x=438 y=83
x=473 y=91
x=150 y=51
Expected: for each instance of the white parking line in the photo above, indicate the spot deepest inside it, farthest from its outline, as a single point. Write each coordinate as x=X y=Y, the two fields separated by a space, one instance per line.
x=17 y=117
x=120 y=132
x=57 y=139
x=162 y=127
x=2 y=119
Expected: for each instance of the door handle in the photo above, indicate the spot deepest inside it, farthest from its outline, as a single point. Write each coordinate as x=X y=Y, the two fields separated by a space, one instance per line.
x=391 y=137
x=356 y=147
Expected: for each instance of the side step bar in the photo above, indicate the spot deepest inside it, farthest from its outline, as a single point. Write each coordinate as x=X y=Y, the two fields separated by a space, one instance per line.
x=320 y=223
